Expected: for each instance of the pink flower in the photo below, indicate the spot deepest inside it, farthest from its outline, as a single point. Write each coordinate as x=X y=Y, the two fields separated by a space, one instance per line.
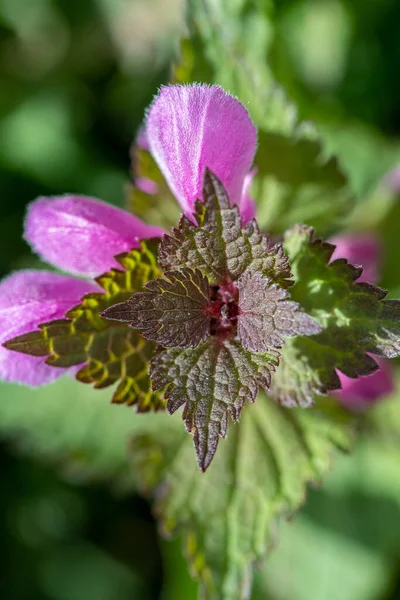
x=192 y=127
x=28 y=298
x=392 y=179
x=363 y=250
x=188 y=128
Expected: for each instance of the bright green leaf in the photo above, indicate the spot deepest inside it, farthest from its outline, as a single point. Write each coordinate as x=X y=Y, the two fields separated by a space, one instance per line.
x=356 y=317
x=297 y=181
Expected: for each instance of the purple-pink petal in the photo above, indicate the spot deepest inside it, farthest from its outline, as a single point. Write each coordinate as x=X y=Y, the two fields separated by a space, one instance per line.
x=359 y=393
x=392 y=179
x=28 y=298
x=247 y=205
x=82 y=235
x=193 y=127
x=142 y=139
x=360 y=249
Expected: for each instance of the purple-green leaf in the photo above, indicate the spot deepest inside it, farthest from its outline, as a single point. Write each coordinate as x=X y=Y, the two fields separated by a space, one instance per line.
x=211 y=381
x=219 y=245
x=173 y=310
x=266 y=316
x=108 y=352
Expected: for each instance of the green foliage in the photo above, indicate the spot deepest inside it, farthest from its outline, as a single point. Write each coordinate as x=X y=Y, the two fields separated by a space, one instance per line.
x=356 y=320
x=80 y=433
x=298 y=180
x=111 y=352
x=342 y=73
x=228 y=516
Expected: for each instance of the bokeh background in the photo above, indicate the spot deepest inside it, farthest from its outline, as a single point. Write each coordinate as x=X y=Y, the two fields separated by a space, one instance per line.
x=75 y=78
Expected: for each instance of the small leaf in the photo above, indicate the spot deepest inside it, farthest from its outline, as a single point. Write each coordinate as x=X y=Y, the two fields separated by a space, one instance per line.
x=212 y=381
x=229 y=516
x=356 y=321
x=219 y=246
x=171 y=311
x=112 y=351
x=266 y=316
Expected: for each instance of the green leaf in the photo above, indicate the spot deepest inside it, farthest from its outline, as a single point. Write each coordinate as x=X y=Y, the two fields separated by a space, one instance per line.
x=173 y=310
x=112 y=351
x=299 y=182
x=324 y=564
x=211 y=381
x=228 y=516
x=229 y=45
x=355 y=317
x=219 y=246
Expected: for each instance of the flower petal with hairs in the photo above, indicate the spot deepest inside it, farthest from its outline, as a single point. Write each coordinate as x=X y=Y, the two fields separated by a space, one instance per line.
x=82 y=235
x=28 y=298
x=193 y=127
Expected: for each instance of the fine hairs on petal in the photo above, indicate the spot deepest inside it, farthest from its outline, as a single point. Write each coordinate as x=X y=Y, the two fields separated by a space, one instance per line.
x=82 y=235
x=193 y=127
x=28 y=298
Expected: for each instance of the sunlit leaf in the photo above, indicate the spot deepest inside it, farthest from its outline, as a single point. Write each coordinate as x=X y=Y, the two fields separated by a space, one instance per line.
x=356 y=320
x=110 y=351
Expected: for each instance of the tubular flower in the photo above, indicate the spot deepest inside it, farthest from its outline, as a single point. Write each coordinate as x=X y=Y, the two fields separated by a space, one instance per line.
x=364 y=250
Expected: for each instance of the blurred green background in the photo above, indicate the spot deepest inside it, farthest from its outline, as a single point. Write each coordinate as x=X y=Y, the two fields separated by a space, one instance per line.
x=75 y=80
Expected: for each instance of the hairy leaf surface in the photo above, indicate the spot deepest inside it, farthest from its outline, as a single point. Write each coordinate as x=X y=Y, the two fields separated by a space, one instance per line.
x=219 y=246
x=171 y=311
x=356 y=317
x=229 y=515
x=266 y=316
x=211 y=381
x=110 y=351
